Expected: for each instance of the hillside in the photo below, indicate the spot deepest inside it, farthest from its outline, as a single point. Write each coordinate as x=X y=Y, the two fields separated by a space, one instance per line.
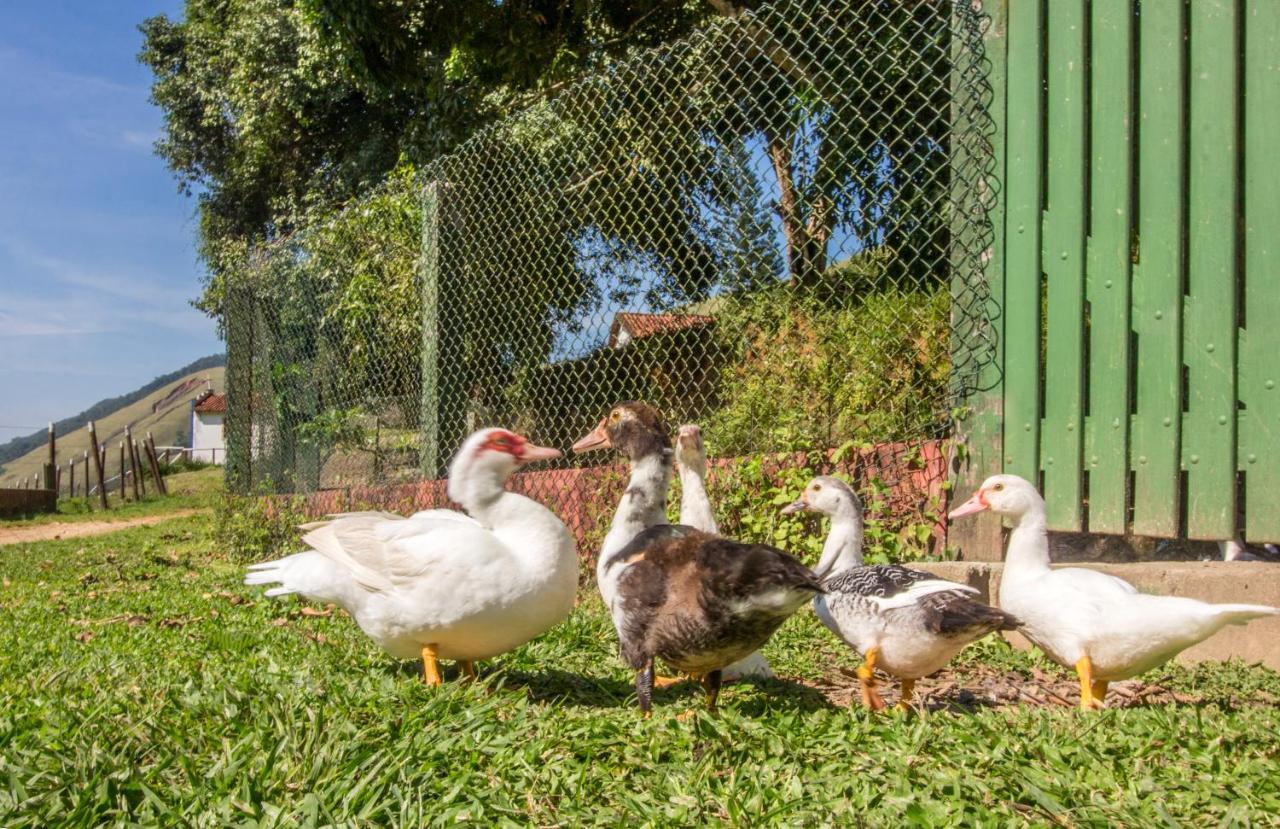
x=20 y=446
x=164 y=410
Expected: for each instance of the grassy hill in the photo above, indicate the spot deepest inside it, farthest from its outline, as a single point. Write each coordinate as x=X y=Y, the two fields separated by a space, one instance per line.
x=170 y=423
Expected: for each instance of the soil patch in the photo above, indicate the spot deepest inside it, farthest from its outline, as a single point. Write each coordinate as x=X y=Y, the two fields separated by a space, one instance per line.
x=981 y=687
x=54 y=532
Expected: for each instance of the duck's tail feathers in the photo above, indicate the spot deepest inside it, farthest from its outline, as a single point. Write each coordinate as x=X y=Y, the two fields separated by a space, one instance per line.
x=1238 y=614
x=290 y=573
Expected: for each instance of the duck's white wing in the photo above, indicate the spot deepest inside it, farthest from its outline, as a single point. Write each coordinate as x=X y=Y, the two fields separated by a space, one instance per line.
x=382 y=552
x=1093 y=582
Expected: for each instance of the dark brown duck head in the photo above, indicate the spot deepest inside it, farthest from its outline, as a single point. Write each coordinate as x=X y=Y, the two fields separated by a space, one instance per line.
x=633 y=428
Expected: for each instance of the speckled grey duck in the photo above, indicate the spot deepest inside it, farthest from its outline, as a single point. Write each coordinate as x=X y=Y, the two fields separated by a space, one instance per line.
x=698 y=601
x=908 y=623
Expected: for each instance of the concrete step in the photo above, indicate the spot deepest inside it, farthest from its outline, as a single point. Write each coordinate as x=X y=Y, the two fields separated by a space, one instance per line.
x=1210 y=581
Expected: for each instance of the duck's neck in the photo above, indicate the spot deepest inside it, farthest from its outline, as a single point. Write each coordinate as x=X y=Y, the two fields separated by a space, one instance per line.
x=843 y=548
x=643 y=505
x=695 y=505
x=528 y=528
x=479 y=492
x=1028 y=552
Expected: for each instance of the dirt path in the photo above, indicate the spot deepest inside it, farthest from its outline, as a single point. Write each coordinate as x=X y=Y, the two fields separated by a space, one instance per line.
x=53 y=532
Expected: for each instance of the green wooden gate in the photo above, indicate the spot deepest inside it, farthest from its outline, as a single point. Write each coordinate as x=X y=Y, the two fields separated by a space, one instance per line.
x=1137 y=265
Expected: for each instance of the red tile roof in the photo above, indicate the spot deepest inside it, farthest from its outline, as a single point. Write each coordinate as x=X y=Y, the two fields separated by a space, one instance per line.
x=211 y=404
x=640 y=326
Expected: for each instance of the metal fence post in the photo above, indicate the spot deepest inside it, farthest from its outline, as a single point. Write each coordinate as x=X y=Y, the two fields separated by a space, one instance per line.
x=977 y=256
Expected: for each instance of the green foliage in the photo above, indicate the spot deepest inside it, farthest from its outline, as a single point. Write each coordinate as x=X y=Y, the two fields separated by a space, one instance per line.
x=276 y=111
x=748 y=494
x=142 y=684
x=854 y=358
x=251 y=529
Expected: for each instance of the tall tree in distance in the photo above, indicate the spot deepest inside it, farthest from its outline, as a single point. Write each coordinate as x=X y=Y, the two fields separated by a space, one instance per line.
x=276 y=110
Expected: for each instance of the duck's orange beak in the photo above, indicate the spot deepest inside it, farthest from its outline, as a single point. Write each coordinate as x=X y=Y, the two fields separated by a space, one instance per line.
x=531 y=452
x=597 y=439
x=977 y=503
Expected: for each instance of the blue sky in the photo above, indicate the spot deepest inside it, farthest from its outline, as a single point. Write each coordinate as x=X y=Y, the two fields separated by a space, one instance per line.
x=97 y=248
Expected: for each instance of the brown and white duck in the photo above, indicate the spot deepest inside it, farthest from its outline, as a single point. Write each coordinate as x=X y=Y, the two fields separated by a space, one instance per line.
x=908 y=623
x=697 y=601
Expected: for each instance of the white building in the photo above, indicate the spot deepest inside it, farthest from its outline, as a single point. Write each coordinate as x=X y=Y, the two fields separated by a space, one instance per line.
x=207 y=443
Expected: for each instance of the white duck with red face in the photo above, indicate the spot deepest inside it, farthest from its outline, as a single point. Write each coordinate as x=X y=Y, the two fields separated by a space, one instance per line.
x=440 y=584
x=696 y=512
x=1083 y=619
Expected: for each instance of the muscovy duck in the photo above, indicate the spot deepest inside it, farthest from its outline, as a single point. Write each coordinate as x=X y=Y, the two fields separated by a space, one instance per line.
x=697 y=601
x=441 y=584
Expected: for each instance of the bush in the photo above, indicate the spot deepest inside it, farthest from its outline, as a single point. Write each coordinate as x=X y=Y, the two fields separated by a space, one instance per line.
x=855 y=357
x=184 y=464
x=255 y=528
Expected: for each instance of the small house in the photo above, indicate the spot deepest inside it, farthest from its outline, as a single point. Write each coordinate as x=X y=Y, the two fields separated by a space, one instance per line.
x=207 y=442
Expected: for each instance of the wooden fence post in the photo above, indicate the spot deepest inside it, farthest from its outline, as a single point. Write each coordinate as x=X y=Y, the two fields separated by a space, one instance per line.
x=85 y=464
x=71 y=477
x=133 y=461
x=150 y=443
x=141 y=471
x=97 y=464
x=123 y=476
x=51 y=468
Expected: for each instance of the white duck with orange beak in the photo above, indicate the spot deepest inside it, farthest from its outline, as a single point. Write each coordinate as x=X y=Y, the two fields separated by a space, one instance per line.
x=696 y=512
x=439 y=583
x=1083 y=619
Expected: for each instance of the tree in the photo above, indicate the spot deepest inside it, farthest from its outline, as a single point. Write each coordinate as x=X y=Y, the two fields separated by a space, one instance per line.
x=278 y=110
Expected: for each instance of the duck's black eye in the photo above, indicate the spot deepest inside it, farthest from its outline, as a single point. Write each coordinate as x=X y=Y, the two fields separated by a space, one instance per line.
x=613 y=416
x=998 y=487
x=817 y=487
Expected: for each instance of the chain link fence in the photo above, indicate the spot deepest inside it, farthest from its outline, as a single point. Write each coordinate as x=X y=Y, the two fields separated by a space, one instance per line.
x=774 y=229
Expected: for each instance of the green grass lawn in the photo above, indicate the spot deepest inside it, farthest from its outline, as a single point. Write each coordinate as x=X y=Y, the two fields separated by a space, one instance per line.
x=141 y=683
x=187 y=490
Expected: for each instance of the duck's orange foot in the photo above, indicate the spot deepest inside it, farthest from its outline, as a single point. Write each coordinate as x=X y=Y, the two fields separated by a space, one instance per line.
x=904 y=703
x=1092 y=691
x=431 y=666
x=867 y=681
x=667 y=681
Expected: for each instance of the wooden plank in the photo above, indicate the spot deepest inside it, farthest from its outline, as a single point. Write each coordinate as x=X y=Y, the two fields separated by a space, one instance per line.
x=1209 y=328
x=1108 y=264
x=1156 y=316
x=1062 y=443
x=1023 y=198
x=979 y=432
x=1259 y=372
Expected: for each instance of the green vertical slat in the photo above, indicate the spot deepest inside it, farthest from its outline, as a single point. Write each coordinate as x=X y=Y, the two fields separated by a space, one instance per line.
x=1259 y=374
x=1062 y=437
x=1209 y=335
x=1107 y=264
x=1156 y=316
x=1023 y=195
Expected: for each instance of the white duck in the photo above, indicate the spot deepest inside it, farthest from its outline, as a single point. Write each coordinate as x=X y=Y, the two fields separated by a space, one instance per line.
x=908 y=623
x=696 y=512
x=1095 y=623
x=441 y=584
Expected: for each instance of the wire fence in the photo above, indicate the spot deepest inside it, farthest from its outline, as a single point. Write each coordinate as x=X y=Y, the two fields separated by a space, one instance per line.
x=774 y=228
